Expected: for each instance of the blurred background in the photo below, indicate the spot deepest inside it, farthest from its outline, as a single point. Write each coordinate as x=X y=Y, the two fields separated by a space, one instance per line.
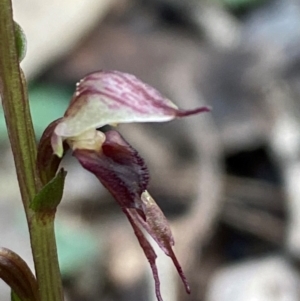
x=228 y=181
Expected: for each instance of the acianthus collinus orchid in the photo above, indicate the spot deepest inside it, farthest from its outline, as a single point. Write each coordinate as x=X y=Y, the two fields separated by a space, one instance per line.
x=108 y=98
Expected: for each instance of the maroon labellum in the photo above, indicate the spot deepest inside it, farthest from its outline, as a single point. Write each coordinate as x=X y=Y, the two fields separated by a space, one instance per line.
x=123 y=172
x=119 y=168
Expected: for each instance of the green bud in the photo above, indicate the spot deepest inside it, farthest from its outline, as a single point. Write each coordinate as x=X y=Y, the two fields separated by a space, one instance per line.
x=21 y=42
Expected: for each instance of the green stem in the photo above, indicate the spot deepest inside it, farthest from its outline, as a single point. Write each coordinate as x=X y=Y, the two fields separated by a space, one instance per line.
x=21 y=134
x=43 y=237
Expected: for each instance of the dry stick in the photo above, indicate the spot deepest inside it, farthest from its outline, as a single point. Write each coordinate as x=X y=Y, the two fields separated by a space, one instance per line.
x=250 y=206
x=256 y=222
x=253 y=192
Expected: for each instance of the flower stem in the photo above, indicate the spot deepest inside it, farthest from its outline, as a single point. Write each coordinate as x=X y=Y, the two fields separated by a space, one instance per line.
x=47 y=269
x=13 y=91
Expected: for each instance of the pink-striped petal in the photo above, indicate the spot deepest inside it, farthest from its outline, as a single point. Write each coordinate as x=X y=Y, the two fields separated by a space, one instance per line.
x=110 y=97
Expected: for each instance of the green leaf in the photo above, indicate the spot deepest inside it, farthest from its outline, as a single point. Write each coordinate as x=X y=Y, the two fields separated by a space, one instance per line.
x=50 y=195
x=21 y=41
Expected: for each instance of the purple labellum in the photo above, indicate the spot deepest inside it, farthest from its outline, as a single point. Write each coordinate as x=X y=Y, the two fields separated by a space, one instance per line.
x=119 y=168
x=123 y=172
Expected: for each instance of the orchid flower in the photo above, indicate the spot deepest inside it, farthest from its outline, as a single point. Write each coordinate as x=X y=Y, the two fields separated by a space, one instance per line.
x=109 y=98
